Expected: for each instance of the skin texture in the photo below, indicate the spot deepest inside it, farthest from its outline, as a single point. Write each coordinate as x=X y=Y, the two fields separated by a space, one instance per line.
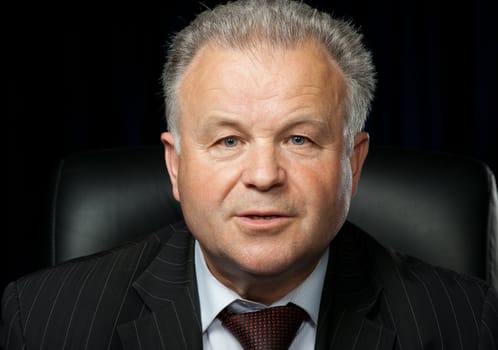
x=264 y=177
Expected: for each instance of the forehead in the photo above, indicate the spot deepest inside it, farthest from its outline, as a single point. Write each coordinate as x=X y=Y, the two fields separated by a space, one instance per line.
x=221 y=77
x=303 y=59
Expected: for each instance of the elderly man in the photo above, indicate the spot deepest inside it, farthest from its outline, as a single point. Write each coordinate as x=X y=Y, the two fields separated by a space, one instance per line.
x=266 y=103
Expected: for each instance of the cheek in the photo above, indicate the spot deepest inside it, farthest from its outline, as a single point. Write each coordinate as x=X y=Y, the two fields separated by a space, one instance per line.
x=328 y=191
x=205 y=184
x=345 y=185
x=199 y=202
x=342 y=194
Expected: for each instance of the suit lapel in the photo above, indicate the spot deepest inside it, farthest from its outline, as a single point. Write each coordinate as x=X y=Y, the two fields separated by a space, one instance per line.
x=348 y=316
x=348 y=312
x=169 y=290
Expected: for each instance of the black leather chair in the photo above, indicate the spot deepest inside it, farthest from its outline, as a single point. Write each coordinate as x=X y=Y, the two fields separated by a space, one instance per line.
x=439 y=207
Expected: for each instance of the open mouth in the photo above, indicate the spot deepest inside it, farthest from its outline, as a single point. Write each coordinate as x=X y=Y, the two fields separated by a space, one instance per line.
x=265 y=217
x=263 y=221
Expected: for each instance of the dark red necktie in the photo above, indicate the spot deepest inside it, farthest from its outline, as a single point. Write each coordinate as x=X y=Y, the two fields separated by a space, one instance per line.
x=272 y=328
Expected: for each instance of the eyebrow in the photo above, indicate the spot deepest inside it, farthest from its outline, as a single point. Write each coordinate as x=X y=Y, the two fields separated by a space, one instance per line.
x=216 y=121
x=221 y=120
x=236 y=122
x=306 y=120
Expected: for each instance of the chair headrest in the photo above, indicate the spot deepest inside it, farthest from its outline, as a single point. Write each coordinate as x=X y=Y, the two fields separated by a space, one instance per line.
x=104 y=198
x=441 y=208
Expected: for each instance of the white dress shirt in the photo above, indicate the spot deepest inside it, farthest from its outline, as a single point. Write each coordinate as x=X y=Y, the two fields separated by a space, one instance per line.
x=214 y=297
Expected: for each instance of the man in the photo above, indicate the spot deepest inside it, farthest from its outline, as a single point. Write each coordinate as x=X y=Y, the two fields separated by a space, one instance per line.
x=266 y=103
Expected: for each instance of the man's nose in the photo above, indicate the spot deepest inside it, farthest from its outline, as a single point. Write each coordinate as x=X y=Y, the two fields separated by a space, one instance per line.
x=262 y=168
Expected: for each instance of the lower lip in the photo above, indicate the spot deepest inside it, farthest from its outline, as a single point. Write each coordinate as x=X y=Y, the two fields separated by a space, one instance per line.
x=263 y=224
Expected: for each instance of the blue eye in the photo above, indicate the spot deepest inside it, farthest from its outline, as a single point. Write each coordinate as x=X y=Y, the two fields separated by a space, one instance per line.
x=298 y=140
x=230 y=142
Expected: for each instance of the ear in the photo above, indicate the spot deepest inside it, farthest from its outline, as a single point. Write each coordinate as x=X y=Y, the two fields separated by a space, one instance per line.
x=360 y=151
x=172 y=159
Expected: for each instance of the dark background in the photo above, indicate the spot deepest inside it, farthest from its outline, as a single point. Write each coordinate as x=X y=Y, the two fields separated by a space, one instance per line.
x=84 y=78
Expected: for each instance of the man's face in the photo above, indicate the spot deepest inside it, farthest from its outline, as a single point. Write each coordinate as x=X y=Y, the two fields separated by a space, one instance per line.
x=264 y=178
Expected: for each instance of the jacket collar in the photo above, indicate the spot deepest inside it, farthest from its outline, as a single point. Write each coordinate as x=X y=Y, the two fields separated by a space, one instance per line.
x=351 y=294
x=169 y=289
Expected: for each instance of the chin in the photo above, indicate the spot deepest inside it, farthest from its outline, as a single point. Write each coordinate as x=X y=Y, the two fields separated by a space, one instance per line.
x=268 y=263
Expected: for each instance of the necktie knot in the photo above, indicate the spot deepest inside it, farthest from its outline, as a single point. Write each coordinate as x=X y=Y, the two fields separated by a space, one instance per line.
x=272 y=328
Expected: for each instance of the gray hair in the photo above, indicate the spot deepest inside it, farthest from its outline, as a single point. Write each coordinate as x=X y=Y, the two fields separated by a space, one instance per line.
x=248 y=24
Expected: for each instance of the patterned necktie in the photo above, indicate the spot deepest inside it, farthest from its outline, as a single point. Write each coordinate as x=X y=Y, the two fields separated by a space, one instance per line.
x=272 y=328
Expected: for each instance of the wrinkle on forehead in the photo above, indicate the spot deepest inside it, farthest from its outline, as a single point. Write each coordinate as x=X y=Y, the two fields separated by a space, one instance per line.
x=263 y=75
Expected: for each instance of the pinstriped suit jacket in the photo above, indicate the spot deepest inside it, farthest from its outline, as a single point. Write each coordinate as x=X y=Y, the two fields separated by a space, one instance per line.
x=143 y=295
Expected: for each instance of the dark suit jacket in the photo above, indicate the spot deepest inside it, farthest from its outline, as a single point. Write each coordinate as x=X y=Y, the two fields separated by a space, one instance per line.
x=143 y=295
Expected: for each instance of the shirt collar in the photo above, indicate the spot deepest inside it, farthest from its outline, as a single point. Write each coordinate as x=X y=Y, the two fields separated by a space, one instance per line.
x=214 y=296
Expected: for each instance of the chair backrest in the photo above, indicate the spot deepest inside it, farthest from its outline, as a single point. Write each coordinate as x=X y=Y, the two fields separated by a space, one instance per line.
x=439 y=207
